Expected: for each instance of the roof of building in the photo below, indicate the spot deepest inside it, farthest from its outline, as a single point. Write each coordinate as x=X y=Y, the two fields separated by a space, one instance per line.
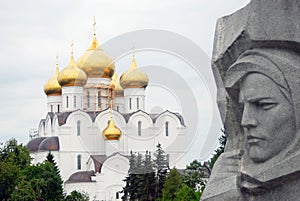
x=49 y=144
x=63 y=116
x=33 y=145
x=81 y=176
x=98 y=161
x=43 y=144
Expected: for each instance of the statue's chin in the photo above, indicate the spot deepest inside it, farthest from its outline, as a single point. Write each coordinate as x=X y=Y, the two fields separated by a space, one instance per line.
x=257 y=154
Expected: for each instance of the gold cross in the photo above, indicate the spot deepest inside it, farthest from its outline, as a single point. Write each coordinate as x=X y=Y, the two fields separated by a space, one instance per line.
x=72 y=47
x=94 y=25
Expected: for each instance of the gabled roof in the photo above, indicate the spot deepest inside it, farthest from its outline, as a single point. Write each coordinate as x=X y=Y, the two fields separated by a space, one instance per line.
x=98 y=161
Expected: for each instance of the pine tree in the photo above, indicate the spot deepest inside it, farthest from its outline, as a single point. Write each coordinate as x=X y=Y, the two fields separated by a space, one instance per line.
x=147 y=179
x=130 y=189
x=162 y=166
x=171 y=186
x=193 y=176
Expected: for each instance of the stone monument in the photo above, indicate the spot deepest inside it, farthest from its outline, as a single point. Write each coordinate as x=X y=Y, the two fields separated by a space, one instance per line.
x=256 y=64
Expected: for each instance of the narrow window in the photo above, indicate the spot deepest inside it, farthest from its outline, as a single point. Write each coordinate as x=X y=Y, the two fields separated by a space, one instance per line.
x=99 y=99
x=88 y=99
x=78 y=128
x=137 y=103
x=79 y=162
x=139 y=128
x=51 y=106
x=67 y=101
x=117 y=195
x=130 y=103
x=74 y=102
x=57 y=108
x=167 y=128
x=118 y=108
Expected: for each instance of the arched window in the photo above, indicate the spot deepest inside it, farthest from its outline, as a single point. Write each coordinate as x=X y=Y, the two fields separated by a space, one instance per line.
x=167 y=128
x=137 y=103
x=88 y=99
x=139 y=128
x=51 y=106
x=58 y=108
x=130 y=103
x=78 y=128
x=67 y=101
x=74 y=102
x=117 y=195
x=79 y=162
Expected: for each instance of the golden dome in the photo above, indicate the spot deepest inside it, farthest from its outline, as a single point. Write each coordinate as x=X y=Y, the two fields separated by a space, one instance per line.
x=52 y=87
x=116 y=85
x=111 y=132
x=72 y=75
x=95 y=62
x=134 y=77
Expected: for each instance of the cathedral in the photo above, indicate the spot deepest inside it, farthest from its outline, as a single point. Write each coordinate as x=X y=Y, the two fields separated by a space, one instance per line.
x=94 y=120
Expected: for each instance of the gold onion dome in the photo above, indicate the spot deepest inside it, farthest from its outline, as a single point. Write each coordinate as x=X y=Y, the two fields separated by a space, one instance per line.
x=72 y=75
x=115 y=84
x=134 y=77
x=95 y=62
x=112 y=132
x=52 y=87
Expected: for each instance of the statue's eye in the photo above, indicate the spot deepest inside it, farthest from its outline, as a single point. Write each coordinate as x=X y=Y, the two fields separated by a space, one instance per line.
x=265 y=105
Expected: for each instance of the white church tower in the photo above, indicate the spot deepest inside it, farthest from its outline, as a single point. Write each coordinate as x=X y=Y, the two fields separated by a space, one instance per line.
x=99 y=68
x=53 y=91
x=72 y=79
x=134 y=82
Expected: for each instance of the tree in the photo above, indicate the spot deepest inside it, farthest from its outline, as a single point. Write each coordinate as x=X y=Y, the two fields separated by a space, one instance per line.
x=77 y=196
x=145 y=176
x=171 y=186
x=130 y=189
x=43 y=179
x=24 y=191
x=147 y=185
x=193 y=176
x=162 y=166
x=219 y=150
x=186 y=193
x=13 y=158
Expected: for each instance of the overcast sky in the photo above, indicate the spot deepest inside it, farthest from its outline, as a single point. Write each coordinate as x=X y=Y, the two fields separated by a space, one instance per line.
x=34 y=32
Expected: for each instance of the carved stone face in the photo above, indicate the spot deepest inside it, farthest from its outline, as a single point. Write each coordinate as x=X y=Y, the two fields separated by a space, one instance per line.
x=267 y=119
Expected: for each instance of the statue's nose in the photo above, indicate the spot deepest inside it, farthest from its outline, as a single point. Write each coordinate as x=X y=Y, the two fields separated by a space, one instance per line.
x=249 y=117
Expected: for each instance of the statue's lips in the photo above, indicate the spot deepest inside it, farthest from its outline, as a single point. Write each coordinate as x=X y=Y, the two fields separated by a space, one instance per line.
x=252 y=140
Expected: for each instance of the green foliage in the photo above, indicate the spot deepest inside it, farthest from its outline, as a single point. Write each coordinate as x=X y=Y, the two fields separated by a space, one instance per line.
x=162 y=166
x=145 y=176
x=77 y=196
x=171 y=186
x=219 y=150
x=185 y=193
x=193 y=176
x=24 y=191
x=44 y=181
x=13 y=158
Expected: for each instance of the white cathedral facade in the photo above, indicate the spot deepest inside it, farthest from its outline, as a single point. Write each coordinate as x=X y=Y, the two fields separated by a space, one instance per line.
x=95 y=119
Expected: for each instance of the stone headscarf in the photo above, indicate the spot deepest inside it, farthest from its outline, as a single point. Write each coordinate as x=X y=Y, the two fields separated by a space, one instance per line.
x=283 y=68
